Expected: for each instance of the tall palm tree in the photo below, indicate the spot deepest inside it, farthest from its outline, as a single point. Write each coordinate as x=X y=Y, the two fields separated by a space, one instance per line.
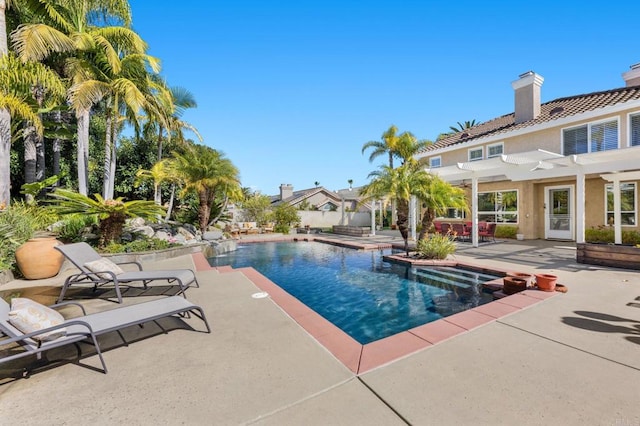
x=164 y=110
x=72 y=28
x=461 y=127
x=206 y=172
x=387 y=146
x=17 y=83
x=128 y=91
x=5 y=117
x=399 y=185
x=408 y=145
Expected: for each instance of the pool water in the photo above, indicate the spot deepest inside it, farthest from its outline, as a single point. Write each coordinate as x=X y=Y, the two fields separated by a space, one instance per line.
x=366 y=297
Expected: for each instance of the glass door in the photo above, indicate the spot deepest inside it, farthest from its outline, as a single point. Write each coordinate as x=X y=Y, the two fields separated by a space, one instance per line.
x=558 y=213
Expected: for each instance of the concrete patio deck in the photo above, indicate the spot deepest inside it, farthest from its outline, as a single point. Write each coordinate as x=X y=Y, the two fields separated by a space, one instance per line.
x=572 y=359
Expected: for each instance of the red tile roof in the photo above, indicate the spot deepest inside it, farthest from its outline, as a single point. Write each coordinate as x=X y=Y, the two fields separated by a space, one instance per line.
x=549 y=111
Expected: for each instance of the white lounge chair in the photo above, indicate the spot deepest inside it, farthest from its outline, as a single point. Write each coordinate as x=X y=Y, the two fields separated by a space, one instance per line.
x=97 y=270
x=88 y=327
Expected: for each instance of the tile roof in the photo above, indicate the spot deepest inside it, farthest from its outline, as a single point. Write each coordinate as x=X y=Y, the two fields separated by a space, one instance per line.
x=302 y=194
x=549 y=111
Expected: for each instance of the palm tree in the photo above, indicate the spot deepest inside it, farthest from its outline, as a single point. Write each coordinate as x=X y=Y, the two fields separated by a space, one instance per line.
x=388 y=145
x=70 y=29
x=463 y=126
x=18 y=81
x=408 y=145
x=437 y=197
x=206 y=172
x=164 y=110
x=126 y=91
x=160 y=172
x=398 y=185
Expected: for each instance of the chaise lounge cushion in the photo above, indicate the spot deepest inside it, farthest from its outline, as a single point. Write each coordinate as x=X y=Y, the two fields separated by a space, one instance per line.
x=103 y=265
x=28 y=316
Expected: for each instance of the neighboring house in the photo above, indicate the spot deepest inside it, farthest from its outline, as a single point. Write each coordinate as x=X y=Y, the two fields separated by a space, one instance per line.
x=320 y=207
x=317 y=198
x=553 y=169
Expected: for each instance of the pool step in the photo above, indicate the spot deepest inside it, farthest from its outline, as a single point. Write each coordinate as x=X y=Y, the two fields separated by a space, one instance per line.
x=456 y=277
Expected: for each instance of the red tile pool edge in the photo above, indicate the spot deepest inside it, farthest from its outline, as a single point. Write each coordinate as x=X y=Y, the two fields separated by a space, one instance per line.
x=362 y=358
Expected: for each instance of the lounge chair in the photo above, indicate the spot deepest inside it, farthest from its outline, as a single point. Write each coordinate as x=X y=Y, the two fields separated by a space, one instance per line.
x=83 y=328
x=98 y=271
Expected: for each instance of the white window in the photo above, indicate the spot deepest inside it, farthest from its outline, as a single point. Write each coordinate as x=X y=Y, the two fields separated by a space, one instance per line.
x=475 y=154
x=628 y=205
x=498 y=206
x=592 y=137
x=634 y=130
x=495 y=150
x=435 y=162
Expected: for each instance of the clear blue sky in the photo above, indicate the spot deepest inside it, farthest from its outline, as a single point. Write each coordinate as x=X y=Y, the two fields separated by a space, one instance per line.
x=291 y=90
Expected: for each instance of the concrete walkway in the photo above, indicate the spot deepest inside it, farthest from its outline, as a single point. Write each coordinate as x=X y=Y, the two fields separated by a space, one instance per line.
x=573 y=359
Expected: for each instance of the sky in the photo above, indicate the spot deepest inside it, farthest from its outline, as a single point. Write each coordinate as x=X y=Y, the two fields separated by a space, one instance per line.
x=290 y=91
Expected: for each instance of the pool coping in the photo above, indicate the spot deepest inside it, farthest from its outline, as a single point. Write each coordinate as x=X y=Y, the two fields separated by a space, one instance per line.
x=359 y=358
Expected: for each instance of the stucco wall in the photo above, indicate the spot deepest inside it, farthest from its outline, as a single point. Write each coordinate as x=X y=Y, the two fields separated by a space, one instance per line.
x=322 y=219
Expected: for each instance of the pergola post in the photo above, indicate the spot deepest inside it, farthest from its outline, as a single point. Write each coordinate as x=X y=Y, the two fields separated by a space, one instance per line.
x=474 y=212
x=580 y=206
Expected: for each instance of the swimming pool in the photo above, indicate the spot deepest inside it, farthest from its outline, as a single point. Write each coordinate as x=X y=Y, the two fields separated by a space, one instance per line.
x=365 y=296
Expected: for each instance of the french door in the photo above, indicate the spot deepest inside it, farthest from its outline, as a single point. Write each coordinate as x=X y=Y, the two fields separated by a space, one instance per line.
x=558 y=213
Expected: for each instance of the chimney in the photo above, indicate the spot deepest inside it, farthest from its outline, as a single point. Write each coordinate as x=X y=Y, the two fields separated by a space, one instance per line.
x=632 y=78
x=286 y=191
x=527 y=96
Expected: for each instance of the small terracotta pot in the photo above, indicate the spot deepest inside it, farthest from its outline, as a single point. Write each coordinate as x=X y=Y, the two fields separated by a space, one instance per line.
x=522 y=275
x=546 y=282
x=512 y=285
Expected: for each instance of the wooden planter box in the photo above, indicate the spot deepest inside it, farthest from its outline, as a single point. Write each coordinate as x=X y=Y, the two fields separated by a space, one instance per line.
x=617 y=256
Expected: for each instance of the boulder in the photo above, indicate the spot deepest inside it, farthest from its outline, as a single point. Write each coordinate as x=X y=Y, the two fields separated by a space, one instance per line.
x=212 y=235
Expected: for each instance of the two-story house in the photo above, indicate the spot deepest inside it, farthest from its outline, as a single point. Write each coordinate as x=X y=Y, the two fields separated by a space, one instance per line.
x=553 y=169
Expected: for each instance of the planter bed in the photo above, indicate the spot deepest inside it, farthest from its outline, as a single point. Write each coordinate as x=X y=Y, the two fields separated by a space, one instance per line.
x=613 y=255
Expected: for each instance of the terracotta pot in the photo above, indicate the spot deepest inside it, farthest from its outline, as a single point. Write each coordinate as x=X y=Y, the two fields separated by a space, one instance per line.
x=512 y=285
x=546 y=282
x=38 y=259
x=522 y=275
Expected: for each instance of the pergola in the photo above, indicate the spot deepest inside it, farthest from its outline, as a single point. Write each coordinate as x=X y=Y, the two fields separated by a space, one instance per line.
x=613 y=166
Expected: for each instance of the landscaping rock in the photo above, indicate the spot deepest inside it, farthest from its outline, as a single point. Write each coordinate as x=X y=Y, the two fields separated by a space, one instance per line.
x=212 y=235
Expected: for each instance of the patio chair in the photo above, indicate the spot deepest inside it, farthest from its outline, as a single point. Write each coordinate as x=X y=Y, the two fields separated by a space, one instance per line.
x=22 y=324
x=488 y=231
x=97 y=270
x=438 y=227
x=461 y=231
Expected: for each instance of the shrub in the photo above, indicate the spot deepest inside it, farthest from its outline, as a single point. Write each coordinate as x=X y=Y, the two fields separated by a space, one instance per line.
x=70 y=230
x=436 y=246
x=606 y=235
x=148 y=244
x=506 y=231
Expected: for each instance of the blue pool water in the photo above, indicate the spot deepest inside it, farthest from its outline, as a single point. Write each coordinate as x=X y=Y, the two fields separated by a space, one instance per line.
x=366 y=297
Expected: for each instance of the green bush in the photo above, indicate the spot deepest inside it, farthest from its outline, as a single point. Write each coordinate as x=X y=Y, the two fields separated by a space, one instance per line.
x=19 y=223
x=148 y=244
x=70 y=230
x=506 y=231
x=436 y=246
x=607 y=235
